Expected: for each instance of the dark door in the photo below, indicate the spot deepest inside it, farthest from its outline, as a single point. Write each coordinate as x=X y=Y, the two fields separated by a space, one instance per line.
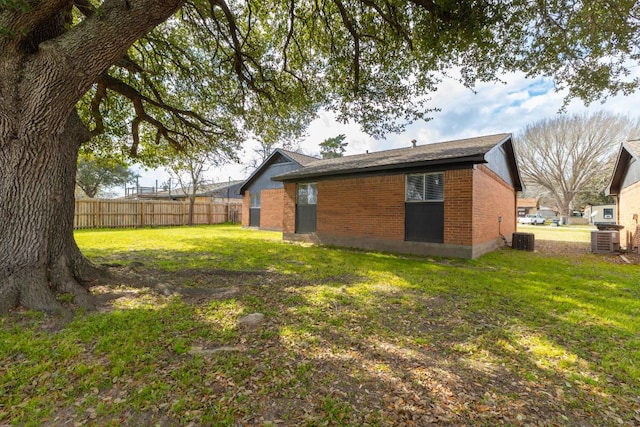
x=254 y=210
x=306 y=219
x=424 y=222
x=254 y=217
x=306 y=202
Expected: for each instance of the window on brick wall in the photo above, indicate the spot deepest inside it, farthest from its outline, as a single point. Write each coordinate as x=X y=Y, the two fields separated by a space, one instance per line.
x=308 y=194
x=425 y=187
x=255 y=200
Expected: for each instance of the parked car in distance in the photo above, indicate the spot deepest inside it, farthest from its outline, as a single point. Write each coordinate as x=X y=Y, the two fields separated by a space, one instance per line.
x=533 y=219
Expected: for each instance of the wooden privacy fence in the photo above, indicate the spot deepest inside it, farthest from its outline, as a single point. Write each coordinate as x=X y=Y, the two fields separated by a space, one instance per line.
x=107 y=213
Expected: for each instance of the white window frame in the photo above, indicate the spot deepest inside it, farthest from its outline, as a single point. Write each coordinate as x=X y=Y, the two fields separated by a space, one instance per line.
x=313 y=186
x=425 y=196
x=254 y=197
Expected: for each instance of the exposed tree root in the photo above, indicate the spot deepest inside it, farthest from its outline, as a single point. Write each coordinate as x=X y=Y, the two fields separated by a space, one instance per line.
x=36 y=289
x=66 y=277
x=9 y=296
x=29 y=289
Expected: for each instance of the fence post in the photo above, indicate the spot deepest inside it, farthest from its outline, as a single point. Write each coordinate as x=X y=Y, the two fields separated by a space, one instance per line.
x=185 y=213
x=97 y=213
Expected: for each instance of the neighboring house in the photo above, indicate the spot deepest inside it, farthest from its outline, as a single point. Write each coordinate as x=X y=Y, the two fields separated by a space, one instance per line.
x=217 y=192
x=601 y=214
x=527 y=206
x=455 y=198
x=262 y=204
x=222 y=192
x=625 y=185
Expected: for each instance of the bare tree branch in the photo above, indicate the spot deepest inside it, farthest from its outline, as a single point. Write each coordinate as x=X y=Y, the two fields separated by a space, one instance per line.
x=564 y=155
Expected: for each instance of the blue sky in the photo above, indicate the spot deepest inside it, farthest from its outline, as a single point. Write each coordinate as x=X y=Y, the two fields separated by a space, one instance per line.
x=492 y=108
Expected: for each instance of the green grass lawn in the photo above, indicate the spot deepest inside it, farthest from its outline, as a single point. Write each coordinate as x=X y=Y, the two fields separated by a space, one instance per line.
x=350 y=338
x=571 y=233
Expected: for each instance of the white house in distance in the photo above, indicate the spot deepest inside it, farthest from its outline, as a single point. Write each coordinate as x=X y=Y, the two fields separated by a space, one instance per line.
x=601 y=214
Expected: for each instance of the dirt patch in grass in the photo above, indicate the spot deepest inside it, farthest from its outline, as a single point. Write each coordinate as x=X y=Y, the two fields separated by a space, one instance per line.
x=558 y=248
x=573 y=249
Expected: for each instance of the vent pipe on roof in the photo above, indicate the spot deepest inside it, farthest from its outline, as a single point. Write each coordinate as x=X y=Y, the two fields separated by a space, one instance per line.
x=413 y=143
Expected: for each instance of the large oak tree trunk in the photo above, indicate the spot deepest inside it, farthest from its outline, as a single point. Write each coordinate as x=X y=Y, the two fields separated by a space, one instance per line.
x=45 y=68
x=38 y=254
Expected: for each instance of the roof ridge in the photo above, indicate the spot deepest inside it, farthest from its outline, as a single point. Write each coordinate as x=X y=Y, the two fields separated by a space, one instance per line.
x=422 y=146
x=471 y=149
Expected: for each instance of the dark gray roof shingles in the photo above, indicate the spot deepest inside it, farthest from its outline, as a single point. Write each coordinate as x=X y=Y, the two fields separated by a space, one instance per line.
x=448 y=151
x=301 y=159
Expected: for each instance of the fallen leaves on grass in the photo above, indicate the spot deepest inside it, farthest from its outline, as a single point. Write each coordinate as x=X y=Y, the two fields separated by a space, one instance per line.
x=365 y=354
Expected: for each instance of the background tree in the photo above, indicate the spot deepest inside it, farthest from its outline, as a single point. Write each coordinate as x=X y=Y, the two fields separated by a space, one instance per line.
x=97 y=174
x=174 y=73
x=334 y=147
x=284 y=134
x=594 y=191
x=188 y=168
x=264 y=149
x=571 y=154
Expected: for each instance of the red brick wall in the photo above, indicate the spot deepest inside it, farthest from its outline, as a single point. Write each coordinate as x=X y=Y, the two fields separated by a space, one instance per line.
x=458 y=203
x=373 y=207
x=628 y=206
x=271 y=208
x=493 y=198
x=289 y=208
x=246 y=204
x=362 y=207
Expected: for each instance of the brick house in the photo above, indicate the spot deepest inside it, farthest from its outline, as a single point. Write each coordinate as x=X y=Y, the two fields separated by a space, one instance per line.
x=262 y=198
x=527 y=206
x=625 y=185
x=455 y=198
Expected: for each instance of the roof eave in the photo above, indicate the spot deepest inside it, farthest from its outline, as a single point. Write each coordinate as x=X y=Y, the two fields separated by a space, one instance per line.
x=265 y=163
x=624 y=155
x=518 y=185
x=297 y=176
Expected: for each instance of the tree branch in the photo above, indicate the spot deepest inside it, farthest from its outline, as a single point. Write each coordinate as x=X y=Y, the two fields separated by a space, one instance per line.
x=237 y=45
x=82 y=47
x=29 y=23
x=129 y=92
x=189 y=119
x=391 y=20
x=350 y=25
x=101 y=92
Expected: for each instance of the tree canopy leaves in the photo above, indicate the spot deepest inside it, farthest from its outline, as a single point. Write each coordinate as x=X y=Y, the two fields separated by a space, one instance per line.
x=262 y=68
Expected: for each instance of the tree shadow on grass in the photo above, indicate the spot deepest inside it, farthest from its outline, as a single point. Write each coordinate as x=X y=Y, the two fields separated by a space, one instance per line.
x=353 y=338
x=441 y=363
